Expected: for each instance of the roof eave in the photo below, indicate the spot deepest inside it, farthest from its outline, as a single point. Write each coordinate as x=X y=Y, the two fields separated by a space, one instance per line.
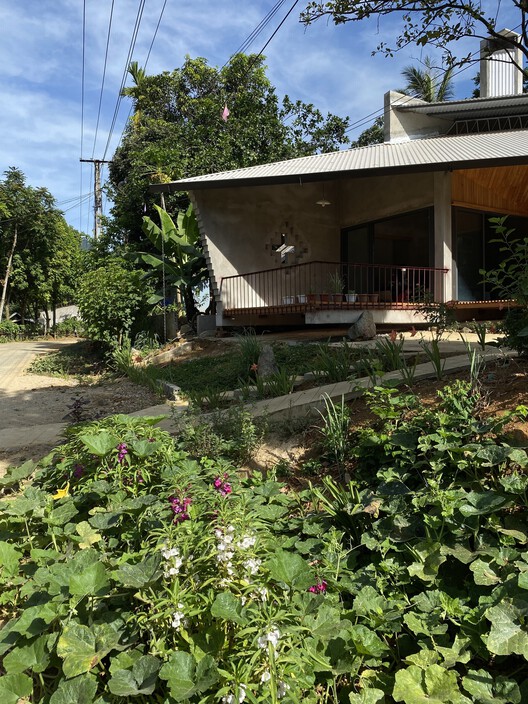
x=290 y=179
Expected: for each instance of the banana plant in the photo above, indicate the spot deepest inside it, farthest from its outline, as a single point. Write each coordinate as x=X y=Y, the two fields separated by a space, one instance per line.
x=179 y=261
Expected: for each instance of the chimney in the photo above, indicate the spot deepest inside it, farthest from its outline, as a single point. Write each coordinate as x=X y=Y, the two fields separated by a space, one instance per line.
x=500 y=66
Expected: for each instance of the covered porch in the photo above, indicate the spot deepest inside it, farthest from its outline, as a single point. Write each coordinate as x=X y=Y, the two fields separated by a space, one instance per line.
x=313 y=290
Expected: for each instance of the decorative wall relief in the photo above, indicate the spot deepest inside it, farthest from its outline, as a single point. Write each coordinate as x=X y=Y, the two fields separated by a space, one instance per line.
x=286 y=246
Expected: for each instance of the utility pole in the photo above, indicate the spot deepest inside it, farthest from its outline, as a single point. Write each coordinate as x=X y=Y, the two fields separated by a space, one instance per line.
x=98 y=199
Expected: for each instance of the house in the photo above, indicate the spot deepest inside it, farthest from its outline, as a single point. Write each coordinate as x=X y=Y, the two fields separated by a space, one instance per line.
x=386 y=227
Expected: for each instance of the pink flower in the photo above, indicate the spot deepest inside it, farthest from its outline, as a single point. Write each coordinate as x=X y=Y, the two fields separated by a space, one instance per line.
x=319 y=587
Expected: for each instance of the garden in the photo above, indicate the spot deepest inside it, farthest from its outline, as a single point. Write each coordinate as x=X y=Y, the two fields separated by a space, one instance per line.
x=137 y=566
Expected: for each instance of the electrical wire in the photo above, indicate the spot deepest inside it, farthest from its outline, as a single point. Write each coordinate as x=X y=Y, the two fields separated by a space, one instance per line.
x=133 y=40
x=258 y=30
x=82 y=103
x=104 y=76
x=155 y=35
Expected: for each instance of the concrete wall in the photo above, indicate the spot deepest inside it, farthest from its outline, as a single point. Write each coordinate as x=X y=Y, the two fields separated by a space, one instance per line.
x=241 y=225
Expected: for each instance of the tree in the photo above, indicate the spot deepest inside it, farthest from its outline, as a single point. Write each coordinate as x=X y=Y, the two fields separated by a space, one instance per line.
x=39 y=251
x=178 y=131
x=424 y=22
x=428 y=83
x=372 y=135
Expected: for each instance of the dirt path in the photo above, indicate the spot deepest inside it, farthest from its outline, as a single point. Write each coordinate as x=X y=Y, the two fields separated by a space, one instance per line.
x=30 y=402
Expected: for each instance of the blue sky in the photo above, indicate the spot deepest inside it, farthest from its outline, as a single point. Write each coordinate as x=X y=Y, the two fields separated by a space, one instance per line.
x=41 y=74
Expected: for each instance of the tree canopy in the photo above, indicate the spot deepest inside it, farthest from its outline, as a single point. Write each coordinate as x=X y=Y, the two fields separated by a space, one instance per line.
x=39 y=251
x=180 y=128
x=425 y=22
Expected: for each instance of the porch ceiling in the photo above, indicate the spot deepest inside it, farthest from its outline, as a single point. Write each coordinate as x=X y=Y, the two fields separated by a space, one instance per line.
x=504 y=190
x=468 y=151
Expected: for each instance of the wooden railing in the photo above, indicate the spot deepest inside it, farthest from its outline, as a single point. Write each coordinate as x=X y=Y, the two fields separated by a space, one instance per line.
x=331 y=284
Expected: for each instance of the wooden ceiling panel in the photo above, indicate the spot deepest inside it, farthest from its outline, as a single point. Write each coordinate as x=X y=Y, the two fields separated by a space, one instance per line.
x=501 y=189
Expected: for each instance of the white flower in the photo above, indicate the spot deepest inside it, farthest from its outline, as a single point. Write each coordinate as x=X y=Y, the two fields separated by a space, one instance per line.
x=228 y=538
x=219 y=533
x=177 y=618
x=271 y=637
x=282 y=688
x=241 y=694
x=170 y=552
x=247 y=542
x=252 y=565
x=228 y=699
x=230 y=529
x=266 y=676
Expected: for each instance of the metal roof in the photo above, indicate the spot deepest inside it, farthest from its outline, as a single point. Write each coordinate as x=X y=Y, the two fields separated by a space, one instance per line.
x=430 y=154
x=460 y=109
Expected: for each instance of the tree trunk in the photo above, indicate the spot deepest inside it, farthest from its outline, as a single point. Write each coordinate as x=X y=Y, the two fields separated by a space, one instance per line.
x=8 y=272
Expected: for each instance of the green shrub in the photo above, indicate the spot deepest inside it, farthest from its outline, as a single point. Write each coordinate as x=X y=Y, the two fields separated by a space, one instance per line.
x=71 y=327
x=9 y=331
x=112 y=302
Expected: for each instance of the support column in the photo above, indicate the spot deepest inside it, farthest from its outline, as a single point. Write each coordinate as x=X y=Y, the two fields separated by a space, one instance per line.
x=443 y=236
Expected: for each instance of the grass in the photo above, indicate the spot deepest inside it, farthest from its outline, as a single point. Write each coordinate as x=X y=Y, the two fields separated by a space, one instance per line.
x=229 y=371
x=79 y=360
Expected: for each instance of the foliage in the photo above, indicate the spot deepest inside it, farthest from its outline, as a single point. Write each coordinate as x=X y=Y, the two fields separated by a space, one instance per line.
x=371 y=135
x=69 y=327
x=510 y=281
x=232 y=433
x=39 y=252
x=112 y=301
x=430 y=84
x=424 y=23
x=177 y=131
x=181 y=265
x=334 y=362
x=133 y=572
x=9 y=331
x=335 y=440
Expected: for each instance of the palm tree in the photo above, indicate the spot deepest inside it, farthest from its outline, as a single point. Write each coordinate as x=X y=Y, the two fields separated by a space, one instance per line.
x=430 y=84
x=135 y=92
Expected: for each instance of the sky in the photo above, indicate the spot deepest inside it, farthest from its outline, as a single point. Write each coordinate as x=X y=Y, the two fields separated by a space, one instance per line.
x=48 y=122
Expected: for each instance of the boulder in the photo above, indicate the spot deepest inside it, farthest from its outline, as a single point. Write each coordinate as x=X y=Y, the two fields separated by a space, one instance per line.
x=364 y=328
x=266 y=362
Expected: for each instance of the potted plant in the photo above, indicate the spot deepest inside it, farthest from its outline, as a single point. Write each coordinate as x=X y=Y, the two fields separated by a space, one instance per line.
x=351 y=297
x=336 y=286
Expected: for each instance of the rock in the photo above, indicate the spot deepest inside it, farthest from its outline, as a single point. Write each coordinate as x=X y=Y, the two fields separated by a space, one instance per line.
x=266 y=362
x=364 y=328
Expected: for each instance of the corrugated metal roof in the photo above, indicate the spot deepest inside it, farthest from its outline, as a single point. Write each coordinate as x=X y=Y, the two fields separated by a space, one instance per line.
x=431 y=154
x=496 y=106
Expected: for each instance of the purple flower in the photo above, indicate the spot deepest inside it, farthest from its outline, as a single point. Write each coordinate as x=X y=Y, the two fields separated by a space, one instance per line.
x=319 y=587
x=179 y=508
x=222 y=485
x=78 y=471
x=122 y=452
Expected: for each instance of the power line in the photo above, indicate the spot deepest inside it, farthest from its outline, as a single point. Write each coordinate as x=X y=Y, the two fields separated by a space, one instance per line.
x=82 y=101
x=133 y=40
x=104 y=75
x=258 y=30
x=155 y=35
